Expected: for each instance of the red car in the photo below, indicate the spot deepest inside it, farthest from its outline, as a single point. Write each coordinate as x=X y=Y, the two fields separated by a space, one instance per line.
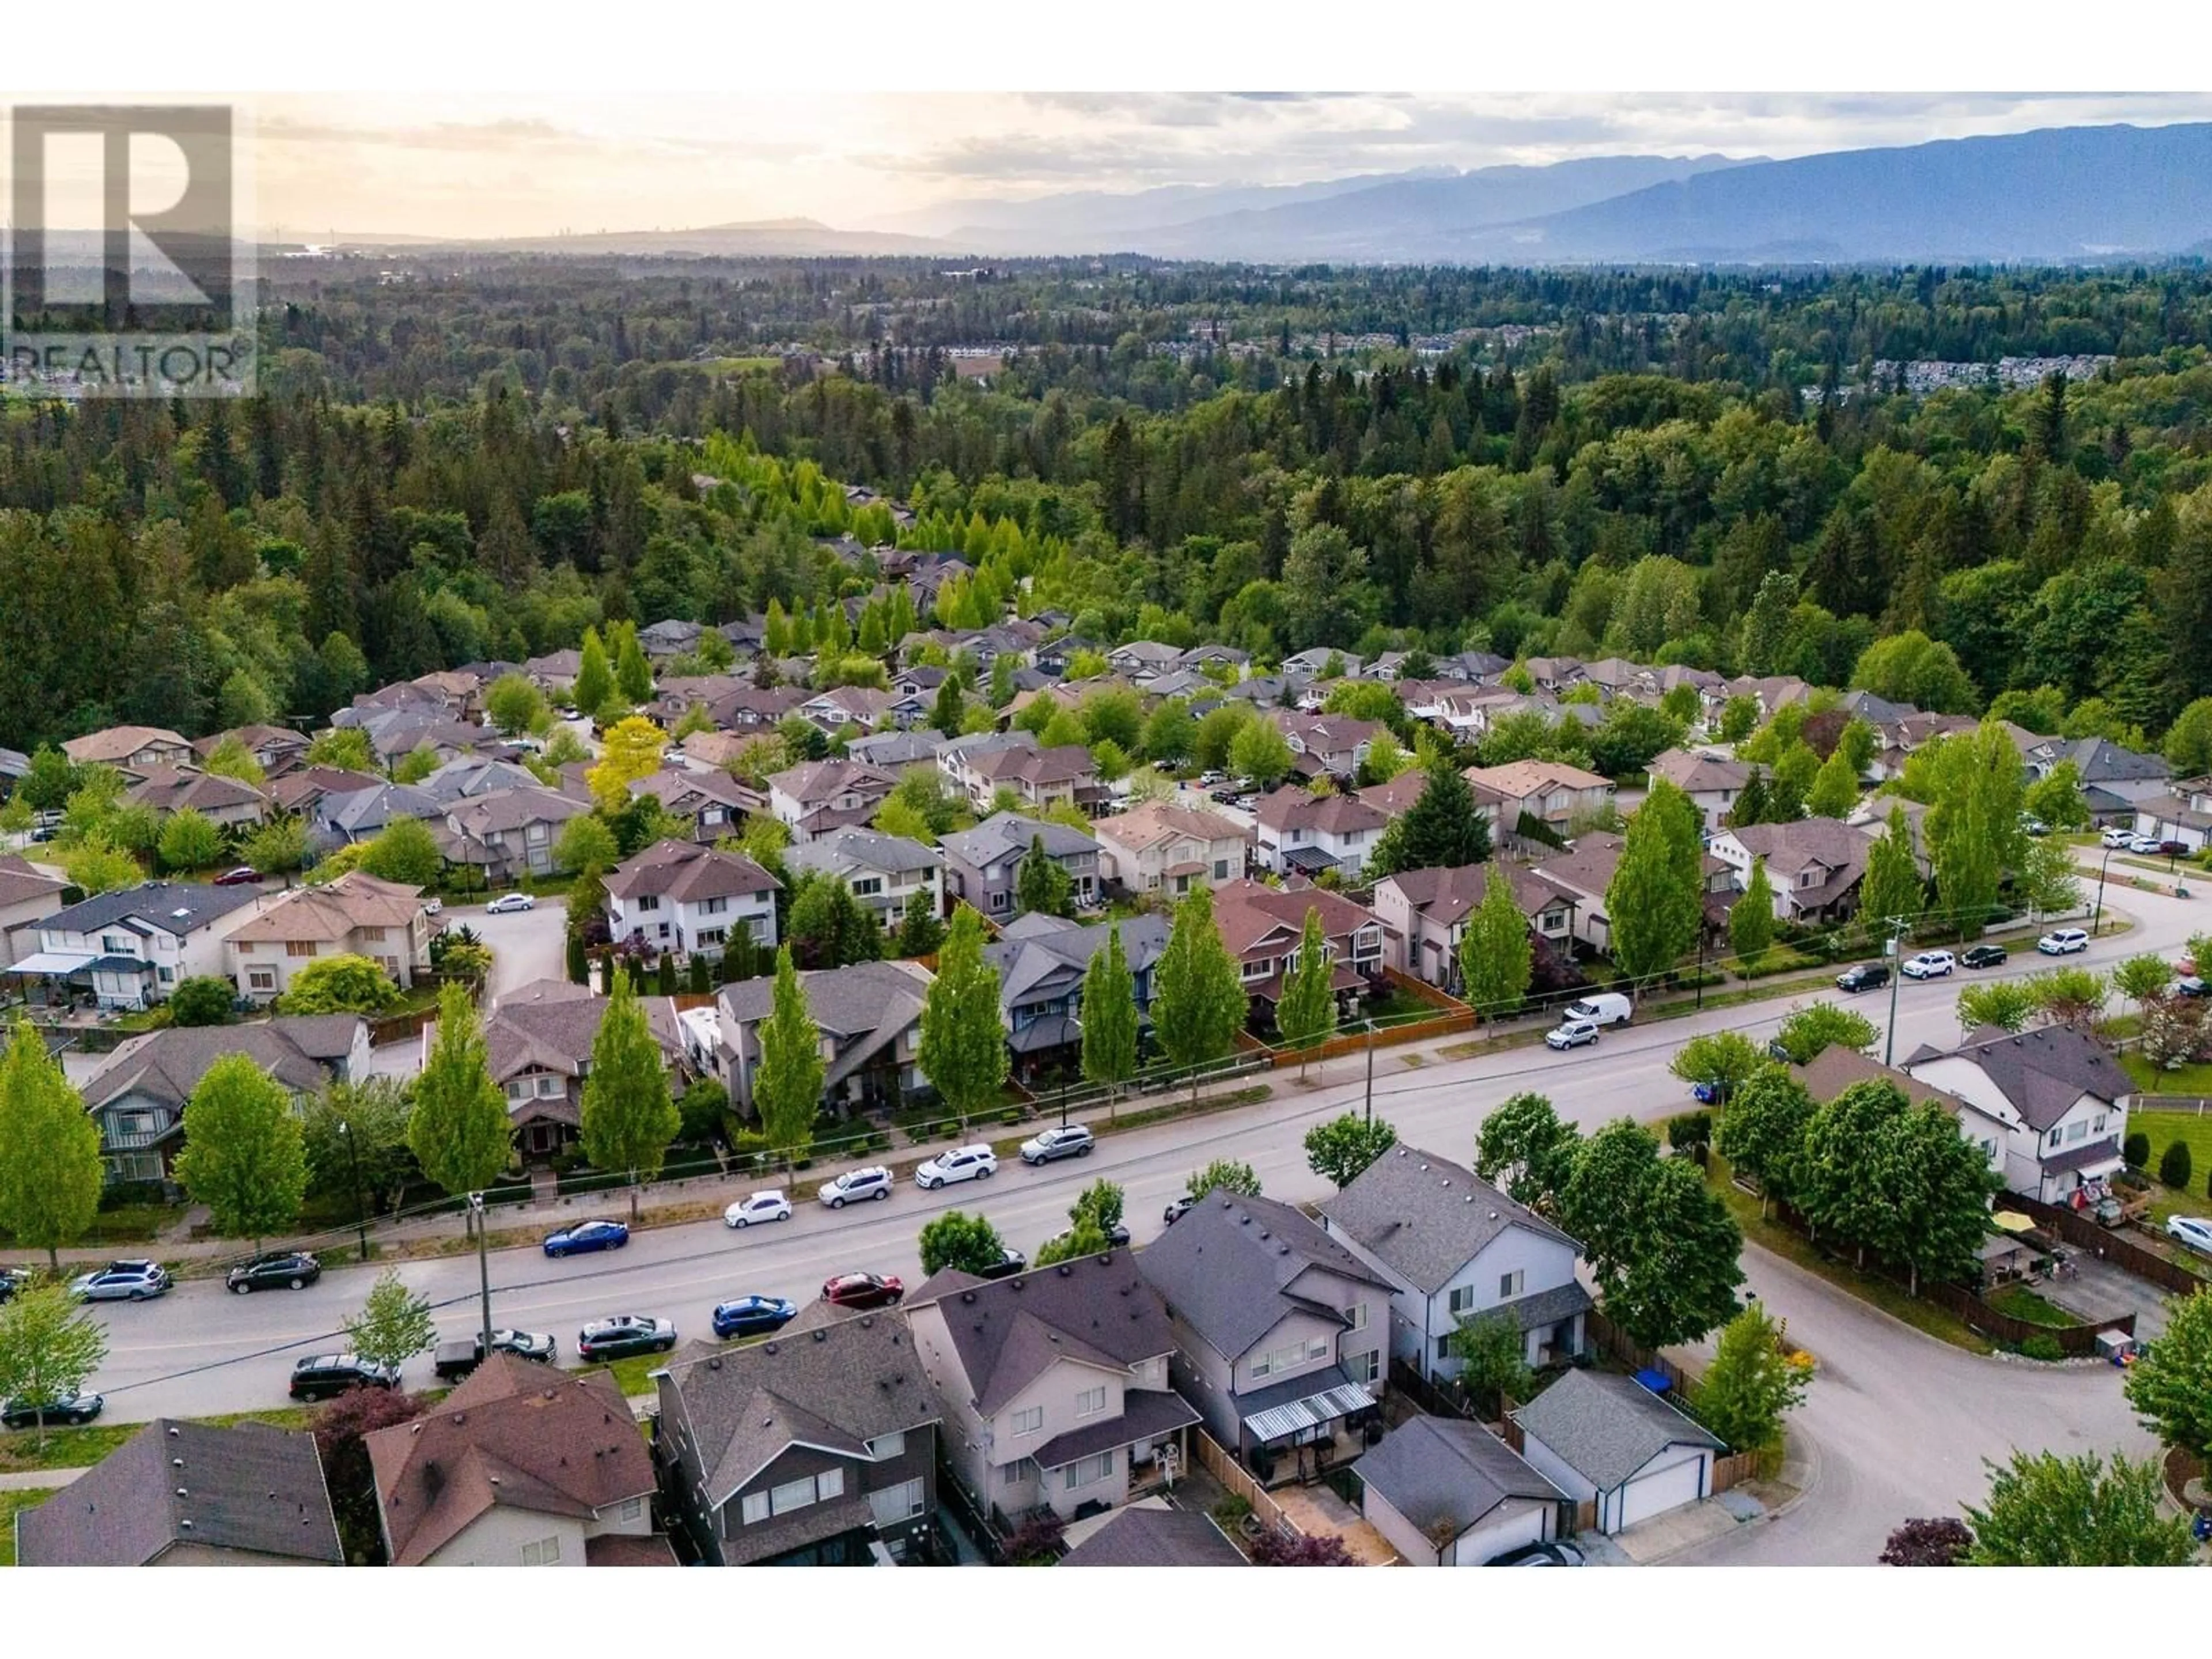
x=244 y=876
x=863 y=1290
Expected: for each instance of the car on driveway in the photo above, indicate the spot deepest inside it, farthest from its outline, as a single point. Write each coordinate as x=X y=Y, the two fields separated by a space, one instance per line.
x=326 y=1374
x=1866 y=976
x=863 y=1290
x=508 y=902
x=976 y=1163
x=1571 y=1034
x=753 y=1316
x=1073 y=1141
x=1982 y=956
x=623 y=1335
x=757 y=1206
x=585 y=1236
x=293 y=1269
x=2062 y=941
x=2144 y=844
x=2194 y=1230
x=1547 y=1552
x=854 y=1185
x=71 y=1409
x=2117 y=839
x=244 y=876
x=1929 y=965
x=122 y=1281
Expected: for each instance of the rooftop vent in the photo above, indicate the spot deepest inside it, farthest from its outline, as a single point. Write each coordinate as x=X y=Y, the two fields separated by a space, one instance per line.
x=967 y=1296
x=176 y=1462
x=184 y=1526
x=714 y=1362
x=1066 y=1272
x=768 y=1347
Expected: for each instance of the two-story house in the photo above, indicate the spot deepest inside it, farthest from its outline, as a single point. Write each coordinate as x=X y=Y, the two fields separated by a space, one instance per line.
x=1302 y=833
x=1042 y=961
x=139 y=1094
x=1586 y=873
x=129 y=947
x=357 y=914
x=1836 y=1068
x=820 y=798
x=1455 y=1248
x=843 y=705
x=1323 y=661
x=898 y=753
x=1815 y=865
x=508 y=832
x=1397 y=797
x=28 y=894
x=959 y=756
x=537 y=1046
x=817 y=1447
x=887 y=874
x=1263 y=927
x=1281 y=1332
x=1712 y=782
x=1144 y=660
x=869 y=1014
x=226 y=802
x=714 y=803
x=276 y=750
x=1054 y=1383
x=1161 y=849
x=678 y=896
x=982 y=866
x=1334 y=744
x=1424 y=914
x=2060 y=1095
x=1550 y=791
x=520 y=1466
x=131 y=749
x=1066 y=776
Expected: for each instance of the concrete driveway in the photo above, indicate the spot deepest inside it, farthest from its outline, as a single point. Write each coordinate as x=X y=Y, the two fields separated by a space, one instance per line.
x=2097 y=1290
x=527 y=944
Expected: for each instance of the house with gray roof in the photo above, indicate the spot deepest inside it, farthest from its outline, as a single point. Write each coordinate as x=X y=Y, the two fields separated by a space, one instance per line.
x=28 y=894
x=1042 y=961
x=1280 y=1331
x=361 y=814
x=2060 y=1095
x=1054 y=1384
x=2114 y=779
x=1608 y=1441
x=887 y=874
x=1425 y=913
x=816 y=1448
x=1448 y=1493
x=1455 y=1248
x=1150 y=1534
x=129 y=946
x=870 y=1015
x=538 y=1044
x=982 y=866
x=898 y=753
x=679 y=895
x=226 y=802
x=714 y=803
x=508 y=832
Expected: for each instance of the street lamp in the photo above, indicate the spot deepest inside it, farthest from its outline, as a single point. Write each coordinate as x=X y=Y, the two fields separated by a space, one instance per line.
x=353 y=1164
x=483 y=1264
x=2100 y=915
x=1896 y=972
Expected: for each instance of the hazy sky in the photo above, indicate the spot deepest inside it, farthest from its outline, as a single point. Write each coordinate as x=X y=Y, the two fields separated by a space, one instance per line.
x=518 y=164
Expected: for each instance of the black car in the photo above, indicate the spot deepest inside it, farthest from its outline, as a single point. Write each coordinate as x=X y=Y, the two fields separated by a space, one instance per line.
x=334 y=1373
x=1867 y=977
x=75 y=1408
x=1982 y=956
x=1010 y=1263
x=2190 y=987
x=1176 y=1211
x=293 y=1269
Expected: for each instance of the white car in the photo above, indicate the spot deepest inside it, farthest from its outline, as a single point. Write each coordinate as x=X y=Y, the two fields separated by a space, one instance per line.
x=2194 y=1230
x=2062 y=941
x=2117 y=839
x=760 y=1207
x=507 y=901
x=1929 y=965
x=1571 y=1035
x=852 y=1185
x=2144 y=844
x=432 y=907
x=976 y=1162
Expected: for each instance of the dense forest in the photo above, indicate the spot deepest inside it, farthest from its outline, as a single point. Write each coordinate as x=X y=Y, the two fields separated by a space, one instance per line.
x=451 y=460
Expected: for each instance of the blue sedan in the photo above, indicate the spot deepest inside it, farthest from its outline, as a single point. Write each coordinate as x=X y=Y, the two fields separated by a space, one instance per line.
x=588 y=1236
x=753 y=1316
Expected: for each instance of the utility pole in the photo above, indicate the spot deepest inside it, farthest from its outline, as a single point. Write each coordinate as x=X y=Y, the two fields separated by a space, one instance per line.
x=2099 y=917
x=1701 y=959
x=483 y=1264
x=1370 y=1073
x=353 y=1164
x=1889 y=1036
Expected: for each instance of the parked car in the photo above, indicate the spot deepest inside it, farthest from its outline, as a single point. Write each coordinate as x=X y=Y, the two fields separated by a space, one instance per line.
x=431 y=906
x=1867 y=977
x=13 y=1279
x=1010 y=1263
x=1709 y=1093
x=71 y=1409
x=2033 y=826
x=2187 y=986
x=327 y=1373
x=1117 y=1235
x=1929 y=965
x=757 y=1206
x=244 y=876
x=2174 y=849
x=1073 y=1141
x=122 y=1281
x=753 y=1316
x=585 y=1236
x=1571 y=1034
x=2062 y=941
x=1982 y=956
x=863 y=1290
x=623 y=1335
x=1602 y=1008
x=509 y=902
x=1549 y=1553
x=873 y=1182
x=294 y=1269
x=2117 y=839
x=1176 y=1211
x=2144 y=844
x=455 y=1360
x=976 y=1163
x=2194 y=1230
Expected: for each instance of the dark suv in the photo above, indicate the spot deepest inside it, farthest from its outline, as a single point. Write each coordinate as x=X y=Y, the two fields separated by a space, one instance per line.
x=1867 y=977
x=334 y=1373
x=294 y=1269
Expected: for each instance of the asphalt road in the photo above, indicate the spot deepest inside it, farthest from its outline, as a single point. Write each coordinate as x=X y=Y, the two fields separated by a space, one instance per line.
x=527 y=944
x=1897 y=1424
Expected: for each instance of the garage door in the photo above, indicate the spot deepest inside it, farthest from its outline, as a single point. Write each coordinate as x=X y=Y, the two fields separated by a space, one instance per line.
x=1661 y=1490
x=1486 y=1543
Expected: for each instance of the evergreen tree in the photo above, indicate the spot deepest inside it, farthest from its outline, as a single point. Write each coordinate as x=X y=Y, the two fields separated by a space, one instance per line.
x=595 y=680
x=628 y=1118
x=1443 y=828
x=1109 y=1015
x=920 y=933
x=1042 y=887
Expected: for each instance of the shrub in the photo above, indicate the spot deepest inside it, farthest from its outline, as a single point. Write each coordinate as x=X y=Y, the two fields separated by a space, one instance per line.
x=2135 y=1149
x=1935 y=1543
x=1690 y=1129
x=2042 y=1347
x=2174 y=1166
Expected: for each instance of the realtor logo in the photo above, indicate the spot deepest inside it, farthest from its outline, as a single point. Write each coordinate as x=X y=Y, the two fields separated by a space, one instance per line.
x=129 y=269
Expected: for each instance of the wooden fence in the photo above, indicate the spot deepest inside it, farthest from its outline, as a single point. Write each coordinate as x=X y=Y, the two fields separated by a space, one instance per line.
x=1236 y=1478
x=2075 y=1341
x=1616 y=1342
x=1733 y=1470
x=2106 y=1243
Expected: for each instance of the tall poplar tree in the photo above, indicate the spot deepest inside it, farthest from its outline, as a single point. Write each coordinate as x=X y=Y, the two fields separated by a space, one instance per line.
x=1892 y=888
x=1307 y=1013
x=49 y=1168
x=1496 y=960
x=1751 y=918
x=963 y=1043
x=1656 y=900
x=459 y=1130
x=245 y=1154
x=595 y=680
x=1109 y=1015
x=1198 y=995
x=787 y=1084
x=627 y=1117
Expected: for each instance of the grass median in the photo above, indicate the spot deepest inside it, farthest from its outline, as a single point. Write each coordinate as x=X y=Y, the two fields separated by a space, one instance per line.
x=81 y=1448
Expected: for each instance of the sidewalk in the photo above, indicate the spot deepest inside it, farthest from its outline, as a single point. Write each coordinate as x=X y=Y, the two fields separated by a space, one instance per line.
x=38 y=1479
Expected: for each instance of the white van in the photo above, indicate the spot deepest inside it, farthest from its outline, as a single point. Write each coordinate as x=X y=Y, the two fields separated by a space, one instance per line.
x=1602 y=1008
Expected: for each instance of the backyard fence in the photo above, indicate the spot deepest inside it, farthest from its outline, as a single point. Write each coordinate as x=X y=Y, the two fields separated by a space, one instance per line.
x=2075 y=1341
x=2111 y=1246
x=1239 y=1481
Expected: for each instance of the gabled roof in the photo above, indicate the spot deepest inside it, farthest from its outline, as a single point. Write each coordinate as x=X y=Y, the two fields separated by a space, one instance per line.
x=175 y=907
x=1228 y=1267
x=364 y=811
x=864 y=1006
x=251 y=1488
x=821 y=781
x=1606 y=1427
x=516 y=1435
x=1146 y=1534
x=2102 y=760
x=889 y=748
x=1696 y=773
x=172 y=789
x=1836 y=1068
x=356 y=899
x=514 y=808
x=847 y=850
x=1425 y=1218
x=304 y=789
x=471 y=774
x=1444 y=1474
x=1791 y=848
x=1157 y=821
x=555 y=1033
x=688 y=873
x=2042 y=1073
x=1246 y=912
x=22 y=882
x=1521 y=779
x=1039 y=957
x=1445 y=893
x=1293 y=808
x=119 y=743
x=1008 y=835
x=1039 y=767
x=167 y=1065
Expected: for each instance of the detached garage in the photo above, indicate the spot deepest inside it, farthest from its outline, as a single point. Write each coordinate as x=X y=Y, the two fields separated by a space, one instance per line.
x=1610 y=1440
x=1452 y=1493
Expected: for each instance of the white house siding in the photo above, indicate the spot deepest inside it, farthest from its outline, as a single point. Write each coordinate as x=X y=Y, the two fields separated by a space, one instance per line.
x=495 y=1539
x=1513 y=1523
x=1544 y=1264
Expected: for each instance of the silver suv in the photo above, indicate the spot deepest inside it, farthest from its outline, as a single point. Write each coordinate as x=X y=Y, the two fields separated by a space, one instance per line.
x=874 y=1181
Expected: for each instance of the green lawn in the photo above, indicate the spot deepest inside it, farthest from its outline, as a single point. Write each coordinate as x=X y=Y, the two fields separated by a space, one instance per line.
x=9 y=1502
x=2180 y=1080
x=77 y=1448
x=2023 y=1303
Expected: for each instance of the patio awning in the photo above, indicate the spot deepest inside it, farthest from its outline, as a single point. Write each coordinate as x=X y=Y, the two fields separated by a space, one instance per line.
x=1281 y=1422
x=1309 y=859
x=52 y=962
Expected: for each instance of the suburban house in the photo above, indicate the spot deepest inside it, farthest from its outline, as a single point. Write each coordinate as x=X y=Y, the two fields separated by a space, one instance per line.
x=1144 y=660
x=897 y=752
x=357 y=914
x=520 y=1466
x=848 y=705
x=1424 y=914
x=1160 y=848
x=1281 y=1332
x=138 y=1096
x=276 y=748
x=823 y=797
x=508 y=832
x=958 y=757
x=870 y=1015
x=1711 y=781
x=1302 y=833
x=714 y=802
x=1042 y=961
x=133 y=749
x=1587 y=872
x=361 y=814
x=982 y=866
x=1836 y=1068
x=816 y=1448
x=1447 y=1492
x=473 y=775
x=887 y=874
x=1148 y=1534
x=678 y=896
x=1454 y=1247
x=185 y=1494
x=129 y=947
x=1607 y=1440
x=1263 y=927
x=1054 y=1384
x=28 y=894
x=2115 y=780
x=1550 y=791
x=538 y=1044
x=228 y=803
x=1321 y=662
x=1334 y=744
x=1814 y=864
x=2184 y=816
x=1395 y=797
x=1038 y=777
x=2058 y=1092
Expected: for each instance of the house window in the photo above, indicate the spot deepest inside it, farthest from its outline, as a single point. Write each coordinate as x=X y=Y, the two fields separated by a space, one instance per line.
x=664 y=930
x=261 y=979
x=1462 y=1300
x=2098 y=1126
x=1010 y=1475
x=2051 y=1140
x=134 y=1123
x=631 y=1509
x=715 y=907
x=372 y=935
x=164 y=974
x=868 y=886
x=1443 y=1349
x=2077 y=1131
x=540 y=834
x=999 y=900
x=887 y=1446
x=895 y=1504
x=519 y=1088
x=1221 y=869
x=754 y=1508
x=1357 y=1315
x=798 y=1494
x=545 y=1553
x=1509 y=1285
x=300 y=947
x=648 y=901
x=713 y=935
x=1363 y=1367
x=1029 y=1421
x=1088 y=1471
x=1091 y=1401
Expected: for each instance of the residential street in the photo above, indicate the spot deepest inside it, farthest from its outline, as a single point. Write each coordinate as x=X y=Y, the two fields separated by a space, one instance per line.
x=528 y=945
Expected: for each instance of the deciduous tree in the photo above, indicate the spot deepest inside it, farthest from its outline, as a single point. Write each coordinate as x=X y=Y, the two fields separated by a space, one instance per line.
x=1343 y=1146
x=585 y=843
x=406 y=851
x=344 y=984
x=963 y=1049
x=1307 y=1013
x=788 y=1086
x=1818 y=1025
x=1228 y=1173
x=1492 y=1352
x=1762 y=1133
x=1525 y=1145
x=1751 y=1383
x=1657 y=896
x=394 y=1323
x=459 y=1130
x=1495 y=959
x=628 y=1120
x=1751 y=918
x=49 y=1348
x=1198 y=994
x=1660 y=1246
x=202 y=1000
x=1040 y=885
x=1724 y=1059
x=189 y=841
x=2170 y=1384
x=2046 y=1511
x=957 y=1239
x=1974 y=820
x=631 y=749
x=1109 y=1015
x=49 y=1169
x=245 y=1156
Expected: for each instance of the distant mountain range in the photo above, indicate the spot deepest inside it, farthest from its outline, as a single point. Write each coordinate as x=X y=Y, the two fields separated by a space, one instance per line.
x=2063 y=193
